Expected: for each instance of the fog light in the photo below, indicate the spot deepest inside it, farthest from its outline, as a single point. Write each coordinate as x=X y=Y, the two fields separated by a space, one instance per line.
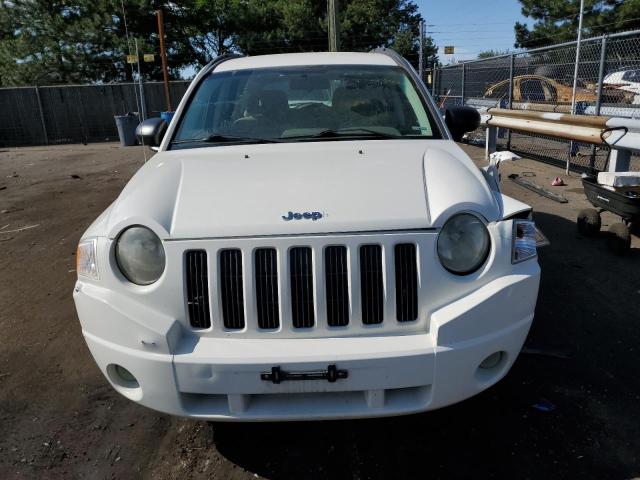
x=126 y=376
x=492 y=360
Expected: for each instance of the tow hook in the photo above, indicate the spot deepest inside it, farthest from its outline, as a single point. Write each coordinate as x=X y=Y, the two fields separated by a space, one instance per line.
x=277 y=375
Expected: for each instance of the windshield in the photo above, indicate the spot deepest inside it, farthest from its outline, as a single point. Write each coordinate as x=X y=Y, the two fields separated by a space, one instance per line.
x=303 y=103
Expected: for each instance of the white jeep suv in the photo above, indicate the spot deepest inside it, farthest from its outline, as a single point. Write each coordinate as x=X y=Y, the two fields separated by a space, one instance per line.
x=308 y=243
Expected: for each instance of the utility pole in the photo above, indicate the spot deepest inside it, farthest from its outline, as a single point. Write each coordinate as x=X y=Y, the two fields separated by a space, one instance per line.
x=334 y=25
x=421 y=52
x=163 y=56
x=575 y=76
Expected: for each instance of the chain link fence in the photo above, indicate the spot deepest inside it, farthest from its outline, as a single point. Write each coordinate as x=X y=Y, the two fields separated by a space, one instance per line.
x=539 y=79
x=75 y=113
x=608 y=83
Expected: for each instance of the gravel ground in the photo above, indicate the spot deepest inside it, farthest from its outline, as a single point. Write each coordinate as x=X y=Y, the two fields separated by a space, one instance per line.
x=60 y=419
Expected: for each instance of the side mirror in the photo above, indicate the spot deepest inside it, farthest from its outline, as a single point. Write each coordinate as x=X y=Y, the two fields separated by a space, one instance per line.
x=151 y=131
x=461 y=120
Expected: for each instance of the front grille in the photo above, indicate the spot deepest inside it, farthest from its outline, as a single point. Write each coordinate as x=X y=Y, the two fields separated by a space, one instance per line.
x=301 y=277
x=197 y=289
x=266 y=268
x=281 y=288
x=231 y=290
x=406 y=282
x=371 y=286
x=337 y=286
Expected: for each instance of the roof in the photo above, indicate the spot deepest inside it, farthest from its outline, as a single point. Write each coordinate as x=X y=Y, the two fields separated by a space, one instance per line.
x=298 y=59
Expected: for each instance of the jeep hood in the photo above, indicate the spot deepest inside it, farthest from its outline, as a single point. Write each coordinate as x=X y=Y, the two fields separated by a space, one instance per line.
x=245 y=190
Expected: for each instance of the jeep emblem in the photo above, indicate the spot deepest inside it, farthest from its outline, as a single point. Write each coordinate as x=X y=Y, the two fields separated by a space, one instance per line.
x=300 y=216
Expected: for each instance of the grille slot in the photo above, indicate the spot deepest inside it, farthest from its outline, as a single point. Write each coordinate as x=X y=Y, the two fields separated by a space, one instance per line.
x=231 y=292
x=371 y=288
x=406 y=282
x=301 y=277
x=337 y=286
x=197 y=289
x=266 y=268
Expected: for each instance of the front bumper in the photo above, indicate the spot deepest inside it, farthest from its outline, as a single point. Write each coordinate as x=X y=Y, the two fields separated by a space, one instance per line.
x=220 y=378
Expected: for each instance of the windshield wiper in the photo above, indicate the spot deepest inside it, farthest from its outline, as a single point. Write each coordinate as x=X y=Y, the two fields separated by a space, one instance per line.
x=328 y=133
x=223 y=138
x=344 y=132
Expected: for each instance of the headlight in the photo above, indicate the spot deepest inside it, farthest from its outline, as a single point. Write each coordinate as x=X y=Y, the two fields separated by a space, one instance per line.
x=463 y=244
x=524 y=241
x=86 y=264
x=140 y=255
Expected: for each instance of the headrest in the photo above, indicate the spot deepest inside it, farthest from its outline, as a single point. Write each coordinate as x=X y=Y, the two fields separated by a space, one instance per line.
x=273 y=100
x=268 y=102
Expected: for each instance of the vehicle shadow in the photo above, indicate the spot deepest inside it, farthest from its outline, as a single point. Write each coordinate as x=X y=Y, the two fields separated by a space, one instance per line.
x=568 y=408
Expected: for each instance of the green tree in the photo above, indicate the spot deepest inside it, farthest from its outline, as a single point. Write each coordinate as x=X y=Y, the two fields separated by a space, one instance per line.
x=493 y=53
x=280 y=26
x=301 y=25
x=45 y=41
x=205 y=29
x=79 y=41
x=56 y=41
x=557 y=20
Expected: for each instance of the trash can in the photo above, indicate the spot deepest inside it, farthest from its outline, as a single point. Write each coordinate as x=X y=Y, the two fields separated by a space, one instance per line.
x=167 y=116
x=127 y=128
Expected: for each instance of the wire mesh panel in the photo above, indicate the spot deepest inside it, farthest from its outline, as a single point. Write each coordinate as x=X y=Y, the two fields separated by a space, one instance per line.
x=488 y=79
x=75 y=113
x=622 y=72
x=82 y=114
x=449 y=86
x=20 y=117
x=488 y=83
x=607 y=83
x=543 y=81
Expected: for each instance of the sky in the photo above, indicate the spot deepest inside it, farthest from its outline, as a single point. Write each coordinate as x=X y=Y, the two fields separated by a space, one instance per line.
x=471 y=26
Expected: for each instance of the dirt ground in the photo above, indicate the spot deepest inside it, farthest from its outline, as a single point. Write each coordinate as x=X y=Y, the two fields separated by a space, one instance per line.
x=60 y=419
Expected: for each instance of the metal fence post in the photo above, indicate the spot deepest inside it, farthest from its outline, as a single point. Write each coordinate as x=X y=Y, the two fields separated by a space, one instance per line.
x=491 y=143
x=464 y=70
x=433 y=80
x=421 y=52
x=603 y=61
x=143 y=101
x=510 y=104
x=42 y=122
x=619 y=160
x=573 y=146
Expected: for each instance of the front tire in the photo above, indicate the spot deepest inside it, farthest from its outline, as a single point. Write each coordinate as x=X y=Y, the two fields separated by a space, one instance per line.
x=589 y=222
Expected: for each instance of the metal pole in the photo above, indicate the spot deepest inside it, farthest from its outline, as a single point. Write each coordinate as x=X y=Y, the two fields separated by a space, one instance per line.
x=42 y=122
x=510 y=99
x=143 y=109
x=334 y=27
x=464 y=70
x=433 y=79
x=575 y=71
x=575 y=75
x=603 y=61
x=511 y=68
x=126 y=32
x=421 y=51
x=163 y=56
